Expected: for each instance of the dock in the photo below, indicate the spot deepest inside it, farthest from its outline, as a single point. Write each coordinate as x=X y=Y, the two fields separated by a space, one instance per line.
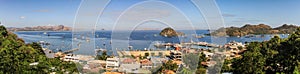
x=70 y=51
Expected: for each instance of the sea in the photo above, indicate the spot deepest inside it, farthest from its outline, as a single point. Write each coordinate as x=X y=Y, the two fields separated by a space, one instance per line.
x=138 y=39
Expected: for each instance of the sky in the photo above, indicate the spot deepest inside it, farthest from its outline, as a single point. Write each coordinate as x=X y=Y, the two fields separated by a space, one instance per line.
x=180 y=13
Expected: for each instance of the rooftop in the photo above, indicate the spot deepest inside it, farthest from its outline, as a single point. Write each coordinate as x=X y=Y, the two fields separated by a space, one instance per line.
x=145 y=62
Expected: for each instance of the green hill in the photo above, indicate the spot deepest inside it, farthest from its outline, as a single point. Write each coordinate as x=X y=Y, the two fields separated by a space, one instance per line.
x=276 y=56
x=16 y=57
x=169 y=32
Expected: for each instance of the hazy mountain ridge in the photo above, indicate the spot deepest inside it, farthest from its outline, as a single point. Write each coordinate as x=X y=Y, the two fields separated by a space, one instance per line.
x=42 y=28
x=256 y=29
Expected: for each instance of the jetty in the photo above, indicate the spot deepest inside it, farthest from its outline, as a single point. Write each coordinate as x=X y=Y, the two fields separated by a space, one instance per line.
x=70 y=51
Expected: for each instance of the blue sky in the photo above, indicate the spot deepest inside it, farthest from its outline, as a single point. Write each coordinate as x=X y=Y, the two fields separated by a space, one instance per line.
x=21 y=13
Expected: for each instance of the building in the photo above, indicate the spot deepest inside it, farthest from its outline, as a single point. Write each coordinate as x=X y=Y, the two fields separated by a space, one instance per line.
x=146 y=64
x=176 y=55
x=129 y=68
x=48 y=53
x=97 y=63
x=234 y=45
x=157 y=61
x=112 y=63
x=70 y=57
x=128 y=61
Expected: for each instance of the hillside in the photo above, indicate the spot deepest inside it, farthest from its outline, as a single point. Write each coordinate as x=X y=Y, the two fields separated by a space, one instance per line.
x=275 y=56
x=42 y=28
x=17 y=57
x=256 y=29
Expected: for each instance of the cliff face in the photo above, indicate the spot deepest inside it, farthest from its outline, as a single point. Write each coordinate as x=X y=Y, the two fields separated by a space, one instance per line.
x=169 y=32
x=42 y=28
x=256 y=29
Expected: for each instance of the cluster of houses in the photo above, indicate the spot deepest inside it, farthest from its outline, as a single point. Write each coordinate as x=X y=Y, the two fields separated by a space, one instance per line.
x=137 y=65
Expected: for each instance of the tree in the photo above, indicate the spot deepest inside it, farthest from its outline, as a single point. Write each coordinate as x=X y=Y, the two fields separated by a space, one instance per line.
x=227 y=66
x=202 y=58
x=252 y=62
x=3 y=31
x=103 y=56
x=201 y=71
x=191 y=61
x=169 y=65
x=16 y=57
x=38 y=47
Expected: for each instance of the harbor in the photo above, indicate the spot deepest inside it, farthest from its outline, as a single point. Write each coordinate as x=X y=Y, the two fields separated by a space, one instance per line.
x=135 y=61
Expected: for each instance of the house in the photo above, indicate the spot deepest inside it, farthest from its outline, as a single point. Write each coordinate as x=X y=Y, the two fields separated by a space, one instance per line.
x=146 y=64
x=48 y=53
x=70 y=57
x=129 y=68
x=112 y=63
x=128 y=65
x=97 y=63
x=157 y=61
x=176 y=55
x=128 y=61
x=234 y=45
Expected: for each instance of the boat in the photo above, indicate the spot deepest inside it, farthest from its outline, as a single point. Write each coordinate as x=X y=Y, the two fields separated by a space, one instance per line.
x=44 y=43
x=155 y=35
x=45 y=33
x=249 y=36
x=198 y=36
x=158 y=44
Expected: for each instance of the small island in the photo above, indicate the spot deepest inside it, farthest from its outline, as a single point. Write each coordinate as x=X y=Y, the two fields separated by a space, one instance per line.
x=169 y=32
x=255 y=30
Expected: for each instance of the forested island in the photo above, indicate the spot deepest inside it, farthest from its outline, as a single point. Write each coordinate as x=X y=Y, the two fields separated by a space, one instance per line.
x=17 y=57
x=255 y=29
x=169 y=32
x=42 y=28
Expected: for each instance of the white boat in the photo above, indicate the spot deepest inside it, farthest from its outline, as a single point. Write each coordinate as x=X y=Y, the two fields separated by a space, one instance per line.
x=45 y=33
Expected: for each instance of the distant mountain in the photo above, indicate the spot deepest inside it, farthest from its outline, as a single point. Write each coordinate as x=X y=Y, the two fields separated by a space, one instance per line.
x=286 y=28
x=42 y=28
x=255 y=29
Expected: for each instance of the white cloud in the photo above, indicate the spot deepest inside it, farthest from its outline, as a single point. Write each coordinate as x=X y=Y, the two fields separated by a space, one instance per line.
x=22 y=17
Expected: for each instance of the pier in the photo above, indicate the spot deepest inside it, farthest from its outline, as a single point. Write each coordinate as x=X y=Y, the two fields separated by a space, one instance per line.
x=70 y=51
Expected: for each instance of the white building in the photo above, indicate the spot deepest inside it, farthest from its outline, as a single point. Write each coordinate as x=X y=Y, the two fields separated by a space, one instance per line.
x=146 y=64
x=234 y=45
x=112 y=63
x=71 y=57
x=176 y=55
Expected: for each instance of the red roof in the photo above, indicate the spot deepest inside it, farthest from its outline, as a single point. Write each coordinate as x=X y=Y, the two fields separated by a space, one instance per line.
x=145 y=62
x=128 y=60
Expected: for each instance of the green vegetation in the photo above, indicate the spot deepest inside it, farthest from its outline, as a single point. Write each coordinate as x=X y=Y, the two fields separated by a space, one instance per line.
x=169 y=32
x=16 y=57
x=255 y=29
x=103 y=56
x=193 y=63
x=270 y=57
x=169 y=65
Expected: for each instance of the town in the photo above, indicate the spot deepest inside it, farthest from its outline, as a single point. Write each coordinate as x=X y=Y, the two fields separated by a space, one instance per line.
x=148 y=61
